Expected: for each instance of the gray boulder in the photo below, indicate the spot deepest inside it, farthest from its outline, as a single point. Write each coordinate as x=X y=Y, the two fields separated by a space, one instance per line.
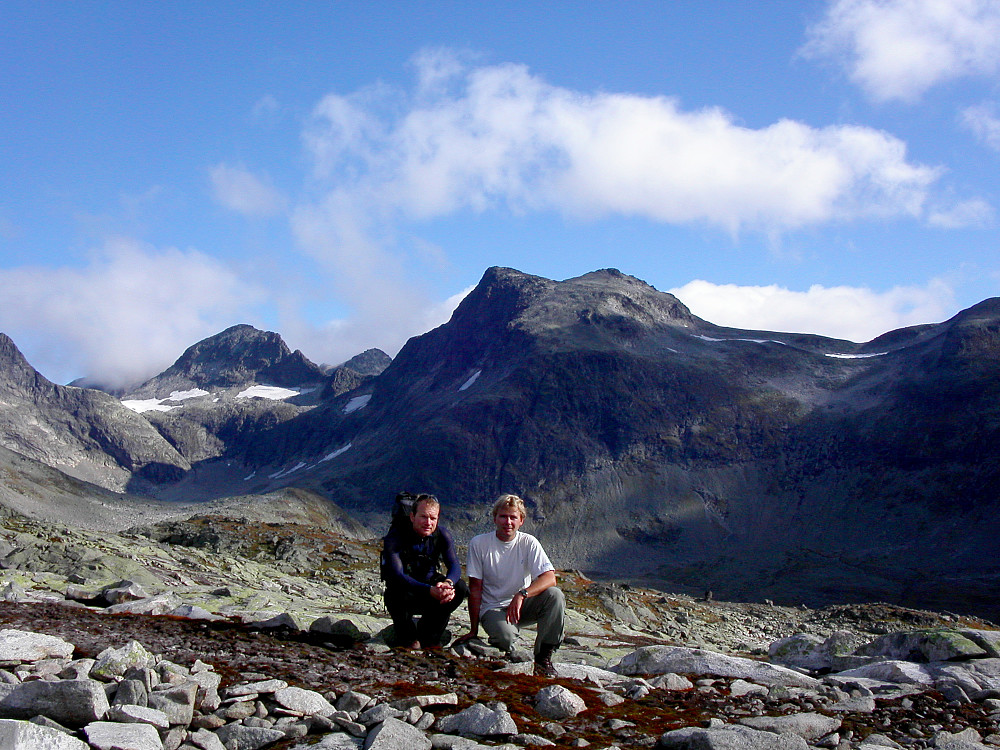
x=206 y=740
x=339 y=629
x=558 y=702
x=923 y=646
x=108 y=735
x=393 y=734
x=899 y=672
x=805 y=651
x=378 y=714
x=988 y=640
x=72 y=703
x=255 y=688
x=808 y=726
x=302 y=701
x=23 y=735
x=194 y=612
x=729 y=737
x=176 y=702
x=682 y=660
x=423 y=701
x=123 y=591
x=248 y=738
x=160 y=604
x=478 y=720
x=115 y=662
x=353 y=702
x=131 y=693
x=21 y=646
x=335 y=741
x=127 y=714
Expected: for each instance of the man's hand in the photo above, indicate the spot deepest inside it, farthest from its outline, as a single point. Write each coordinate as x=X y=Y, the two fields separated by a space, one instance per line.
x=443 y=592
x=514 y=609
x=465 y=638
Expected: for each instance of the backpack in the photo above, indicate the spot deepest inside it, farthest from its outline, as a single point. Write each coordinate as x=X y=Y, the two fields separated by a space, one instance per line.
x=402 y=509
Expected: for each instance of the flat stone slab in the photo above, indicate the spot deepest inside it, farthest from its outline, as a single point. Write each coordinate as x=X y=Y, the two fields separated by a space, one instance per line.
x=682 y=660
x=21 y=646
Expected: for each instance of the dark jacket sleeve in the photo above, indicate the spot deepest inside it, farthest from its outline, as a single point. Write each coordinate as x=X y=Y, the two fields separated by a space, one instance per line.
x=395 y=575
x=450 y=557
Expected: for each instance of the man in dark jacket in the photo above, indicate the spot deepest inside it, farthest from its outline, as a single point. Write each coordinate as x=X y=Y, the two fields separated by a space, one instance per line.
x=414 y=583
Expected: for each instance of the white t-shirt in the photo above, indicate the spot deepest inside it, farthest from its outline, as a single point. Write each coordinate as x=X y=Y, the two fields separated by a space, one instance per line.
x=505 y=567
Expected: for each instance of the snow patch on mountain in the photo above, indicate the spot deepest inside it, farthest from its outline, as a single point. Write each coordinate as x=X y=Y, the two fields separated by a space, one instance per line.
x=273 y=392
x=358 y=402
x=468 y=383
x=336 y=453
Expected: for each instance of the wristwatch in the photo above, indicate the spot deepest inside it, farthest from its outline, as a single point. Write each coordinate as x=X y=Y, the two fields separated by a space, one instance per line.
x=524 y=593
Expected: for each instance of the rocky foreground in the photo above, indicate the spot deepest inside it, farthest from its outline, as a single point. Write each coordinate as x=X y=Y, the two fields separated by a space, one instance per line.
x=229 y=632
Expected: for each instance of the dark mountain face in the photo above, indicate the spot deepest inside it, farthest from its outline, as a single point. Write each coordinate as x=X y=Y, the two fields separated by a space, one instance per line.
x=647 y=442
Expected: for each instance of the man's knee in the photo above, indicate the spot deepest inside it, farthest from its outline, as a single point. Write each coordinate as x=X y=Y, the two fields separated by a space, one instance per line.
x=555 y=596
x=551 y=600
x=501 y=634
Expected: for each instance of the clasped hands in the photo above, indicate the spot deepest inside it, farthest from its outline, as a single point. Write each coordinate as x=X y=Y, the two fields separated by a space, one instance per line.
x=443 y=592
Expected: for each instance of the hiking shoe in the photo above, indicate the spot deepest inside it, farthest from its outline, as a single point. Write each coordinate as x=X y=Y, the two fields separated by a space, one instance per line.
x=545 y=668
x=543 y=661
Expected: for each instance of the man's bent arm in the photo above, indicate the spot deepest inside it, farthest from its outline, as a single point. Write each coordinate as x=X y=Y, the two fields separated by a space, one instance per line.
x=545 y=581
x=475 y=602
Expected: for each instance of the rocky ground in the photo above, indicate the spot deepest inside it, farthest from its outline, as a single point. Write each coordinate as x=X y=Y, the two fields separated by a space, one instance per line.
x=299 y=603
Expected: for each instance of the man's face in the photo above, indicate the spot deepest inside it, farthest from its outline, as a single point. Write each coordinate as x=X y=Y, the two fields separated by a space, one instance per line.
x=508 y=521
x=425 y=519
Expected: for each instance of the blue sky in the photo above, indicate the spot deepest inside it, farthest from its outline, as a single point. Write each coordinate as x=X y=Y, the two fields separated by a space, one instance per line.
x=343 y=172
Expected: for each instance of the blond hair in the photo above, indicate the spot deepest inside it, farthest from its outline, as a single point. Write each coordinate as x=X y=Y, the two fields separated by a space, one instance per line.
x=510 y=501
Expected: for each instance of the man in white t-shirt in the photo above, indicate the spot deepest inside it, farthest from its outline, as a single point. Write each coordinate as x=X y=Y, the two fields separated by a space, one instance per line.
x=512 y=583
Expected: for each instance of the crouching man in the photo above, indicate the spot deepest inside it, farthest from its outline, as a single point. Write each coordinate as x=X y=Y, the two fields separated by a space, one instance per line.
x=513 y=583
x=414 y=554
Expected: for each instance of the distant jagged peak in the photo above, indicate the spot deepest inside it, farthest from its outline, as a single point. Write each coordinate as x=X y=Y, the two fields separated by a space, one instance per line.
x=370 y=362
x=505 y=294
x=237 y=356
x=506 y=299
x=15 y=370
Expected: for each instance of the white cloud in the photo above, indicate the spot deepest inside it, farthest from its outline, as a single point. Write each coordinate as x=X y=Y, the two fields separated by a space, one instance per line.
x=970 y=213
x=124 y=317
x=984 y=122
x=897 y=49
x=853 y=313
x=497 y=136
x=244 y=192
x=386 y=325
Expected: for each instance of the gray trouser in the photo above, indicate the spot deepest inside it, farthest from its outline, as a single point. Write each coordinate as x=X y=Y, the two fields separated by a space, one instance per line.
x=548 y=610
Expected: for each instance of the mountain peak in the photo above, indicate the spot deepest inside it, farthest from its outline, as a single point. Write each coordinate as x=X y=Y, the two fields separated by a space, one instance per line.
x=15 y=370
x=238 y=355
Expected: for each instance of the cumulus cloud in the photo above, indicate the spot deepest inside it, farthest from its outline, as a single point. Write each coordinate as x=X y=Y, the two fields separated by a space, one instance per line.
x=125 y=316
x=984 y=122
x=240 y=190
x=898 y=49
x=970 y=213
x=470 y=137
x=476 y=138
x=853 y=313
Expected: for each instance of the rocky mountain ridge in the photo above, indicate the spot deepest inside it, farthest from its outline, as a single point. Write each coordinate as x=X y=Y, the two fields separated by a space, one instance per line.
x=650 y=444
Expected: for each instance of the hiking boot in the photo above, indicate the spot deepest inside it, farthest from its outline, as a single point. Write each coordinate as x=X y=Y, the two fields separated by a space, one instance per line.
x=543 y=662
